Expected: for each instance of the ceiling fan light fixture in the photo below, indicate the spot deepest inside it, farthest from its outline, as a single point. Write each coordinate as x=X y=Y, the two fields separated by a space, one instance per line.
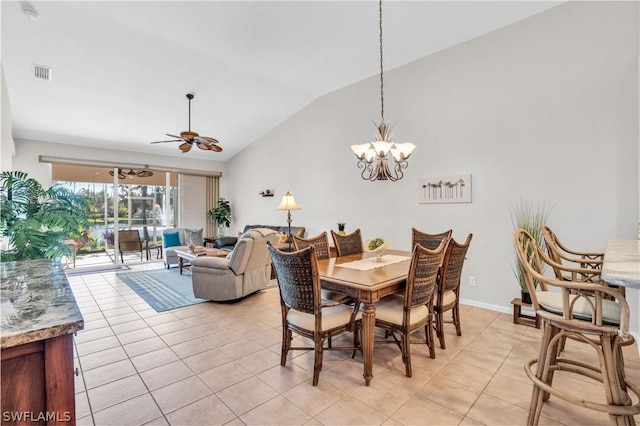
x=188 y=138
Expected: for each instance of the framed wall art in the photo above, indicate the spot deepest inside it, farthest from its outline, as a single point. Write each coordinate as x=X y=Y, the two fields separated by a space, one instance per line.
x=445 y=189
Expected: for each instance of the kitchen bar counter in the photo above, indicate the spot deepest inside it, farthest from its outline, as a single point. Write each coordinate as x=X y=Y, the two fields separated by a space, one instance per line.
x=37 y=302
x=621 y=264
x=39 y=315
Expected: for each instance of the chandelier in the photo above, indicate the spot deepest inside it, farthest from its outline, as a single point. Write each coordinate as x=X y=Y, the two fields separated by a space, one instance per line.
x=133 y=173
x=374 y=158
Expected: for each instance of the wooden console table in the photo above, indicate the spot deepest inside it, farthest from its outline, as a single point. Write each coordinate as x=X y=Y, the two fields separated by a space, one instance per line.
x=39 y=317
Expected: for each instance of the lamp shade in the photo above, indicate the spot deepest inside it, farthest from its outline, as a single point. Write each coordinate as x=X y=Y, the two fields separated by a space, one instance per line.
x=288 y=202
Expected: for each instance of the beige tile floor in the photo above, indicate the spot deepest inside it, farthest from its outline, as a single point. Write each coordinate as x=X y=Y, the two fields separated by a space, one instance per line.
x=216 y=363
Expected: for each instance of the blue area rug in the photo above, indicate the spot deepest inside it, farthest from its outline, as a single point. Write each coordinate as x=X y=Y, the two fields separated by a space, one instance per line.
x=162 y=289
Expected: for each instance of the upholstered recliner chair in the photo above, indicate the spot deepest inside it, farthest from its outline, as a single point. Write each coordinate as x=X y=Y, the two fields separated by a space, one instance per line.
x=245 y=270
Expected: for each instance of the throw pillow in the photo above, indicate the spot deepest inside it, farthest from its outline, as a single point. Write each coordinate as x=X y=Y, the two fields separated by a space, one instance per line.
x=193 y=235
x=282 y=237
x=171 y=239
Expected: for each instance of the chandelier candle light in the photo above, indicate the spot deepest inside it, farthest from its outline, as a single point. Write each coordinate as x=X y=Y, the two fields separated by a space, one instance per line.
x=288 y=203
x=373 y=157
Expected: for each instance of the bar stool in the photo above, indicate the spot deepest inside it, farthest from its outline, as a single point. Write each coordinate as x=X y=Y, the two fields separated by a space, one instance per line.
x=586 y=312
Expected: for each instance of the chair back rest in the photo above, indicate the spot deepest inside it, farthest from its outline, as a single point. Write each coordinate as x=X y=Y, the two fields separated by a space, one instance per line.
x=347 y=244
x=430 y=241
x=451 y=271
x=250 y=251
x=320 y=242
x=574 y=291
x=563 y=255
x=129 y=239
x=422 y=277
x=298 y=279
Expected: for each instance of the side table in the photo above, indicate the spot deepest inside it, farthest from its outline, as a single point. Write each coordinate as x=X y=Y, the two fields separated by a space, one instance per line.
x=149 y=247
x=520 y=318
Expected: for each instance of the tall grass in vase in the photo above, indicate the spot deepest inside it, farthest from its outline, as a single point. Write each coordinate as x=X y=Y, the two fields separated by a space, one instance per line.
x=531 y=218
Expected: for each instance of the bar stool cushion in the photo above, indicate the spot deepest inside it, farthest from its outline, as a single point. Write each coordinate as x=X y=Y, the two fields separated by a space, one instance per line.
x=390 y=309
x=552 y=302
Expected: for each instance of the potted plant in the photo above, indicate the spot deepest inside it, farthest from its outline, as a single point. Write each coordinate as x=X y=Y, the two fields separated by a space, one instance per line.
x=37 y=220
x=531 y=218
x=221 y=215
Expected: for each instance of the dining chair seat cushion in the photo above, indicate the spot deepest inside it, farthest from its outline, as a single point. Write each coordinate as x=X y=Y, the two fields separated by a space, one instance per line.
x=332 y=317
x=390 y=309
x=551 y=301
x=448 y=298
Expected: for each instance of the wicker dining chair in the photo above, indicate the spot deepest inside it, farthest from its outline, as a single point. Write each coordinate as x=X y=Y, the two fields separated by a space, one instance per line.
x=580 y=311
x=321 y=244
x=303 y=310
x=430 y=241
x=448 y=296
x=347 y=244
x=412 y=310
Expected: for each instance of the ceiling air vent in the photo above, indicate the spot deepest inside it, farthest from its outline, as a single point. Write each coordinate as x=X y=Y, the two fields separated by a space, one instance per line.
x=41 y=72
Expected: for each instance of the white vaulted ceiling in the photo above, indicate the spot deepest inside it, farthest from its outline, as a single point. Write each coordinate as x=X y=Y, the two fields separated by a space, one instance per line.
x=121 y=69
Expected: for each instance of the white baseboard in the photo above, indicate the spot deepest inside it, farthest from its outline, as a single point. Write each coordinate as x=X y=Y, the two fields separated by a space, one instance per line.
x=488 y=306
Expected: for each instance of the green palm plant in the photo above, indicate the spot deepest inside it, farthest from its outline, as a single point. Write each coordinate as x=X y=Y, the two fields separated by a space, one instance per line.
x=37 y=220
x=531 y=218
x=221 y=214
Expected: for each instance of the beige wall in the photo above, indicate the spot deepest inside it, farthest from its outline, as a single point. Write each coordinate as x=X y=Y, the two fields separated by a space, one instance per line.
x=545 y=110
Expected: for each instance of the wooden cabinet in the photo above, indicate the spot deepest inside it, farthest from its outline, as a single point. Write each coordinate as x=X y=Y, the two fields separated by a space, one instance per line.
x=38 y=382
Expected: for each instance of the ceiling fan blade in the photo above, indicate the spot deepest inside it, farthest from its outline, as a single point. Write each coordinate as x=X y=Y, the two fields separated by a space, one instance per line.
x=204 y=146
x=174 y=140
x=185 y=147
x=210 y=140
x=173 y=136
x=216 y=148
x=144 y=173
x=120 y=174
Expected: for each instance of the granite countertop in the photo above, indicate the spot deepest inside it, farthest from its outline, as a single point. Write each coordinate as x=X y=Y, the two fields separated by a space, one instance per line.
x=37 y=302
x=621 y=264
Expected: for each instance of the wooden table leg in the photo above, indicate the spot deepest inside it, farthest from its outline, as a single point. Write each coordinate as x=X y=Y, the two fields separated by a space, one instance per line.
x=368 y=336
x=180 y=264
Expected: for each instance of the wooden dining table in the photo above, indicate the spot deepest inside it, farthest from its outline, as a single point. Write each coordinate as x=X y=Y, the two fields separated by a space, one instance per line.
x=368 y=286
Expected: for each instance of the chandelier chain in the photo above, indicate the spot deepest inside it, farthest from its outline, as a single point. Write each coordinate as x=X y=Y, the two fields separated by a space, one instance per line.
x=381 y=66
x=382 y=159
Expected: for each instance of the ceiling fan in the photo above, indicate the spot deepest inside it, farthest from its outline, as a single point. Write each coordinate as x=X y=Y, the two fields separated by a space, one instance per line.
x=188 y=138
x=133 y=173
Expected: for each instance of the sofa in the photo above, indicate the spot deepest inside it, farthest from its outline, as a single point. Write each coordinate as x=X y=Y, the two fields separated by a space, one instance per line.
x=282 y=243
x=178 y=239
x=244 y=271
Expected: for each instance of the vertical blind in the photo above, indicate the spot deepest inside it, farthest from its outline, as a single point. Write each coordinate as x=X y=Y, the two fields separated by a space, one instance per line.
x=197 y=195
